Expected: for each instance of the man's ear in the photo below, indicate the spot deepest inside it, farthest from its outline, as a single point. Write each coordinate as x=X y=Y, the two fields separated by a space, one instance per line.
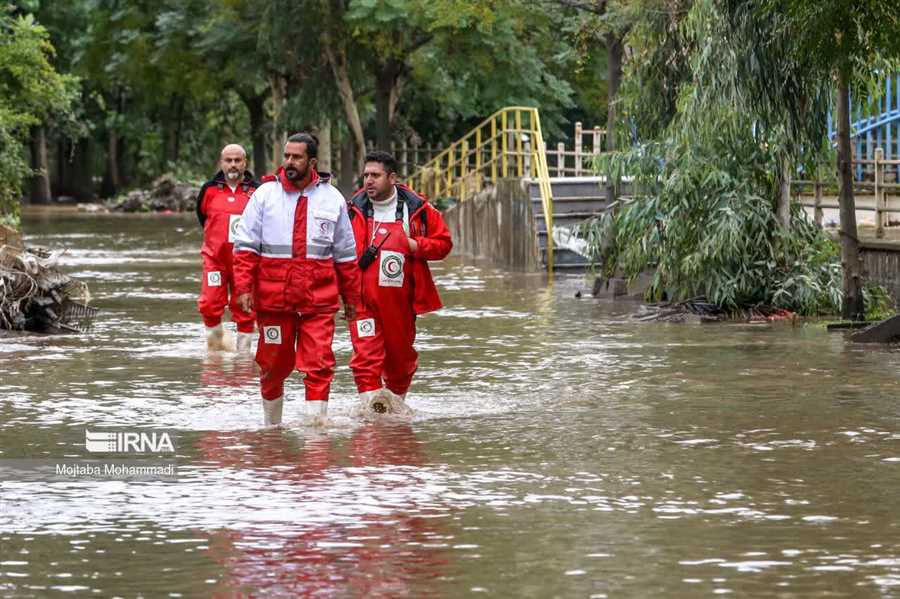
x=392 y=178
x=313 y=162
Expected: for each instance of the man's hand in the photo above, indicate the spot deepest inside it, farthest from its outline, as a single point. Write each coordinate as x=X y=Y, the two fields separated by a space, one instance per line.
x=349 y=312
x=245 y=302
x=413 y=245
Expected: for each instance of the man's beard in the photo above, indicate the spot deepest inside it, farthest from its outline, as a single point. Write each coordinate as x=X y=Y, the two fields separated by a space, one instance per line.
x=233 y=175
x=294 y=174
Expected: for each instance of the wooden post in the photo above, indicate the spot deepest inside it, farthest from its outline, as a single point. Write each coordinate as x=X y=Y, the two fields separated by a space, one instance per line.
x=560 y=159
x=404 y=158
x=526 y=149
x=817 y=203
x=598 y=139
x=880 y=206
x=578 y=136
x=415 y=153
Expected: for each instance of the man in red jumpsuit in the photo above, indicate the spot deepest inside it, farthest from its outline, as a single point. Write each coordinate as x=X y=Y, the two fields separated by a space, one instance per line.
x=397 y=232
x=220 y=203
x=294 y=253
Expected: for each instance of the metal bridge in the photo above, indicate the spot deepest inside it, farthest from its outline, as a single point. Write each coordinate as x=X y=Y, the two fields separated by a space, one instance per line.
x=875 y=123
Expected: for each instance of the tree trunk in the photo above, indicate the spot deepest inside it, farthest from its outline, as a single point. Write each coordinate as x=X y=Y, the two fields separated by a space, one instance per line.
x=323 y=132
x=40 y=183
x=111 y=181
x=853 y=308
x=783 y=202
x=337 y=58
x=616 y=51
x=256 y=110
x=279 y=138
x=387 y=93
x=346 y=181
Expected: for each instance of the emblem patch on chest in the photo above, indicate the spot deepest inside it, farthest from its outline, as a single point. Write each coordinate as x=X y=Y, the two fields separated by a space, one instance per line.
x=391 y=269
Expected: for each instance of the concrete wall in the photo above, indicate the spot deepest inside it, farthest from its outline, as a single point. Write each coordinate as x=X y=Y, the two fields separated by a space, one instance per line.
x=497 y=224
x=881 y=265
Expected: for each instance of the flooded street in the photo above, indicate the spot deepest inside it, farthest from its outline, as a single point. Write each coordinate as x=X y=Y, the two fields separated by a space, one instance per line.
x=559 y=450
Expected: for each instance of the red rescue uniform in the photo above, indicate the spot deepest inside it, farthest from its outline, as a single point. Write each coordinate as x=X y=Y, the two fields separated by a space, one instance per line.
x=294 y=251
x=396 y=287
x=219 y=208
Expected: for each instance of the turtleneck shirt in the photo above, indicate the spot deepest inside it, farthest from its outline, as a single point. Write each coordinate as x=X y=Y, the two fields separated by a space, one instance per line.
x=385 y=211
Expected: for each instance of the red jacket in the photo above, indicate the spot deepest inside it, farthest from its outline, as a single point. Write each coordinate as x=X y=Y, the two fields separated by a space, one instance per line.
x=426 y=227
x=218 y=210
x=294 y=249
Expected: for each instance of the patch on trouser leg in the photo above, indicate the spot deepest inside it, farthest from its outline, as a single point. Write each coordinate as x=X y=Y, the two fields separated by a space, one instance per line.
x=214 y=278
x=365 y=327
x=272 y=334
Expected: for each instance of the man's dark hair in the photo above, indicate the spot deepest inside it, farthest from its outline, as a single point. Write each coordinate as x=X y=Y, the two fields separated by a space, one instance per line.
x=385 y=158
x=311 y=141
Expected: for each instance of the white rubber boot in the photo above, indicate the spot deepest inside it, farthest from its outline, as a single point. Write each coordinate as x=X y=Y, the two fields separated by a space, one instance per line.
x=272 y=411
x=214 y=336
x=317 y=413
x=244 y=343
x=364 y=408
x=219 y=339
x=396 y=405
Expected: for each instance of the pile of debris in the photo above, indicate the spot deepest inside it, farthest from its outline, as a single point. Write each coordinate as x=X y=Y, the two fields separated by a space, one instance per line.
x=166 y=194
x=699 y=309
x=36 y=296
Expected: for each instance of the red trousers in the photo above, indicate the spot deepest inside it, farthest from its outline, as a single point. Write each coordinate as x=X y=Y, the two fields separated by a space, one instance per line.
x=383 y=337
x=288 y=340
x=218 y=284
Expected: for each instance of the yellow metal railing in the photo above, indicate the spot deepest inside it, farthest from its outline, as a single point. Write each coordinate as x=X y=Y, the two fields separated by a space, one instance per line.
x=508 y=143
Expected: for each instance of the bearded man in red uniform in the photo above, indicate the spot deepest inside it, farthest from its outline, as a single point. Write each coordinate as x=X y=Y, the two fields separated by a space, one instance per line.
x=294 y=255
x=220 y=203
x=397 y=232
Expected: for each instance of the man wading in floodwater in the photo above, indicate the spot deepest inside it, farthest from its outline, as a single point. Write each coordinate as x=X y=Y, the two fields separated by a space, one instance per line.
x=220 y=203
x=396 y=233
x=293 y=253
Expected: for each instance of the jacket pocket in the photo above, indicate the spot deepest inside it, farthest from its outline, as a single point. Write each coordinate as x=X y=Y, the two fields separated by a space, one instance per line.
x=270 y=292
x=324 y=224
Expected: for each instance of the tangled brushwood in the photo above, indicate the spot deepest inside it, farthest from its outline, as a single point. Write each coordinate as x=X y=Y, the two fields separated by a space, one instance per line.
x=36 y=296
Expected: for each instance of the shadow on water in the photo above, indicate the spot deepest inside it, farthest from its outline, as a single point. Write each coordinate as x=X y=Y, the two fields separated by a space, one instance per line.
x=558 y=450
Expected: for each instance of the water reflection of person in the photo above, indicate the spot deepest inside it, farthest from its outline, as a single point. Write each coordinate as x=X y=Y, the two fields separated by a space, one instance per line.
x=218 y=372
x=382 y=553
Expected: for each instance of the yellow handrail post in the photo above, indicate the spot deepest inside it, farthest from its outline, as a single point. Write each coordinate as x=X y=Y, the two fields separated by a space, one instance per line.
x=478 y=158
x=503 y=150
x=546 y=190
x=463 y=171
x=519 y=156
x=493 y=150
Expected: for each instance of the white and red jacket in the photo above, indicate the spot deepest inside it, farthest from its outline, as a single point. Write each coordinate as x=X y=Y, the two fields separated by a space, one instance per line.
x=294 y=249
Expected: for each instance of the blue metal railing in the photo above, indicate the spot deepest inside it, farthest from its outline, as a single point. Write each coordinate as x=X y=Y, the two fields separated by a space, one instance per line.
x=874 y=124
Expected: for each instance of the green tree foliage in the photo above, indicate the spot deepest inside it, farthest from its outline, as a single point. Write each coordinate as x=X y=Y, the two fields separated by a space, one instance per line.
x=706 y=168
x=794 y=55
x=31 y=91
